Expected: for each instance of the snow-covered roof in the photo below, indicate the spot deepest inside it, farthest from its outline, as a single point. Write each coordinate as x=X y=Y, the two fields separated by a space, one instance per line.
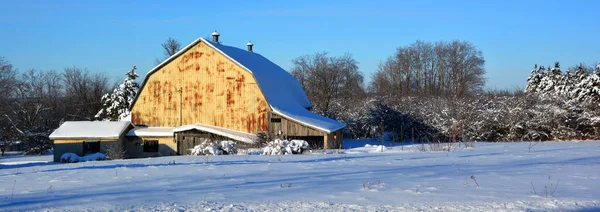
x=235 y=135
x=169 y=132
x=151 y=131
x=282 y=91
x=90 y=129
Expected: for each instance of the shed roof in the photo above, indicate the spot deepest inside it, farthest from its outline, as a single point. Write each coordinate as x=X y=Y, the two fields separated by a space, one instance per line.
x=169 y=132
x=282 y=91
x=232 y=134
x=151 y=131
x=90 y=129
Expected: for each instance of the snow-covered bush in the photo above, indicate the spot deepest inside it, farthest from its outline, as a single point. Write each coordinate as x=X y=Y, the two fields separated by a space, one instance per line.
x=228 y=147
x=210 y=148
x=74 y=158
x=297 y=146
x=69 y=158
x=116 y=150
x=275 y=147
x=282 y=147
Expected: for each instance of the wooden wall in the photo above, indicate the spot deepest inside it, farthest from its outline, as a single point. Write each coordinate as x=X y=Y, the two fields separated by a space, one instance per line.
x=214 y=91
x=75 y=145
x=295 y=130
x=334 y=140
x=291 y=128
x=135 y=148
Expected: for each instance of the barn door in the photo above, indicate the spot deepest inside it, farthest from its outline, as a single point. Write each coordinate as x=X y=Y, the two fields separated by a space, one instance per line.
x=276 y=126
x=184 y=144
x=187 y=140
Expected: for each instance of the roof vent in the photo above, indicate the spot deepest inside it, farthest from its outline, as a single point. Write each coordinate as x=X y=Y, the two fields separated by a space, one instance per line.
x=249 y=44
x=215 y=35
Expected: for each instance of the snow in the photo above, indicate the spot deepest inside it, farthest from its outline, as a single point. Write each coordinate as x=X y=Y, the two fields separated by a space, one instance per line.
x=229 y=147
x=380 y=148
x=74 y=158
x=395 y=180
x=90 y=129
x=220 y=148
x=151 y=131
x=169 y=132
x=282 y=147
x=235 y=135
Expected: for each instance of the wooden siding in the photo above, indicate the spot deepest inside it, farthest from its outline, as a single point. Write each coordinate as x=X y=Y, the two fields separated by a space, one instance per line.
x=202 y=86
x=135 y=148
x=291 y=128
x=187 y=140
x=62 y=146
x=334 y=140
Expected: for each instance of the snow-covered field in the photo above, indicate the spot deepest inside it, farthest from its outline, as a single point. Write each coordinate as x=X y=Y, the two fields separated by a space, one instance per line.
x=554 y=176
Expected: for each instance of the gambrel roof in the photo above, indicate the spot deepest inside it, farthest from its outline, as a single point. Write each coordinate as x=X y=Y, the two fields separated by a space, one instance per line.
x=281 y=90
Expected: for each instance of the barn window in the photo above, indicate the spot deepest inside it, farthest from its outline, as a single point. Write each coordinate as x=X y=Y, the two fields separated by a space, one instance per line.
x=276 y=120
x=151 y=146
x=91 y=147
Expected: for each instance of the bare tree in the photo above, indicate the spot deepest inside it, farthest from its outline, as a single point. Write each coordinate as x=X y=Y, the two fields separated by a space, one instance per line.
x=329 y=82
x=8 y=84
x=34 y=110
x=83 y=92
x=170 y=48
x=423 y=68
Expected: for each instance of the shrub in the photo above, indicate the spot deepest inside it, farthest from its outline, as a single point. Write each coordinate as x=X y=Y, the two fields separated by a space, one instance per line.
x=210 y=148
x=281 y=147
x=74 y=158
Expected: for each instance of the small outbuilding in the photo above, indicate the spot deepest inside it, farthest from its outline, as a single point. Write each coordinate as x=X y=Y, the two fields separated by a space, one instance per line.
x=88 y=137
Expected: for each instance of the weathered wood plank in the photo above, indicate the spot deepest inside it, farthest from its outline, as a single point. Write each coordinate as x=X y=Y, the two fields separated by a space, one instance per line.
x=202 y=86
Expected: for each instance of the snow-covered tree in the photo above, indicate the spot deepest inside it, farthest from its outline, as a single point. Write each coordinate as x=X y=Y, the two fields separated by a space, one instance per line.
x=115 y=105
x=534 y=79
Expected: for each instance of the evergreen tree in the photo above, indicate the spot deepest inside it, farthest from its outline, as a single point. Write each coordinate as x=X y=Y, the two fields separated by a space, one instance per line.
x=533 y=81
x=115 y=105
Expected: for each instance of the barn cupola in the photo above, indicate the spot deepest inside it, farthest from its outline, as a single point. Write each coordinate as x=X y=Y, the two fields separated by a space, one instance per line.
x=215 y=35
x=249 y=44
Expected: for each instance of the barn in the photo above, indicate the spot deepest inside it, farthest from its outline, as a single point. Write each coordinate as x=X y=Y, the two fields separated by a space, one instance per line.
x=210 y=91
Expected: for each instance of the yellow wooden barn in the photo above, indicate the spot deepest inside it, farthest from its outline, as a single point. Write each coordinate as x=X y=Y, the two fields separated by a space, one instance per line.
x=211 y=91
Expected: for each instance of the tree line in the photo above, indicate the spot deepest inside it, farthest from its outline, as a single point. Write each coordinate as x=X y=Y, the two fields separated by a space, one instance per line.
x=35 y=102
x=434 y=92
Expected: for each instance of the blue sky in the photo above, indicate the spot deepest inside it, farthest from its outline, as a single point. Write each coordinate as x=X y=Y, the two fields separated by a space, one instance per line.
x=111 y=36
